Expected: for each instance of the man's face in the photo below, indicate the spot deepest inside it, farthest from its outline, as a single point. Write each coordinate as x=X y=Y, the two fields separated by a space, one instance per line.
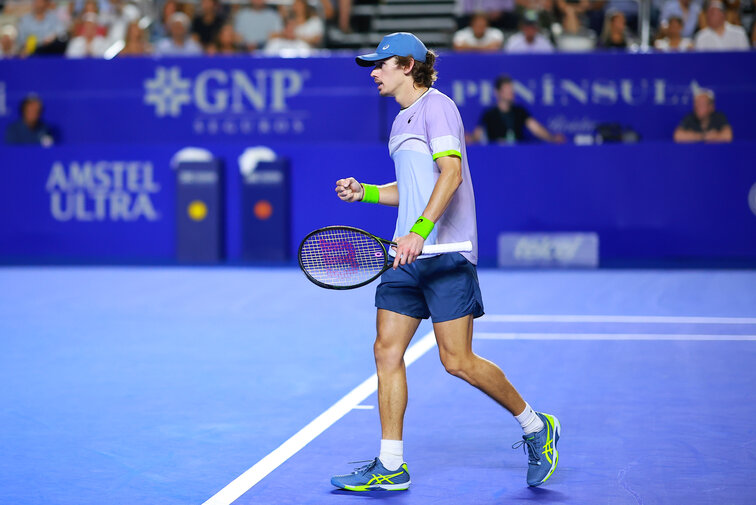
x=715 y=17
x=39 y=6
x=702 y=106
x=178 y=30
x=674 y=28
x=32 y=112
x=530 y=31
x=479 y=25
x=505 y=93
x=388 y=75
x=258 y=4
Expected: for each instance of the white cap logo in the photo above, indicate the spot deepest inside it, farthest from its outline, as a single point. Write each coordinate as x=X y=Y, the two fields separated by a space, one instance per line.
x=385 y=47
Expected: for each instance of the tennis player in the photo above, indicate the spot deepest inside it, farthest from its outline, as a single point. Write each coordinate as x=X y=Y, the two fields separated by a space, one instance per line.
x=434 y=195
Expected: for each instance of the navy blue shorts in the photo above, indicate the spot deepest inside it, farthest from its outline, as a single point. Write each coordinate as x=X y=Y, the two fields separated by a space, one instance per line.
x=443 y=287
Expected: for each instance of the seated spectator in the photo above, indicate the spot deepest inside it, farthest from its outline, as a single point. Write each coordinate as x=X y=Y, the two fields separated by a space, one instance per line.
x=287 y=43
x=506 y=122
x=753 y=34
x=705 y=123
x=543 y=10
x=499 y=13
x=308 y=25
x=136 y=42
x=226 y=42
x=629 y=10
x=179 y=43
x=207 y=23
x=41 y=31
x=8 y=36
x=674 y=41
x=29 y=129
x=615 y=34
x=159 y=29
x=478 y=36
x=118 y=18
x=686 y=10
x=89 y=43
x=528 y=39
x=719 y=35
x=572 y=13
x=256 y=23
x=90 y=7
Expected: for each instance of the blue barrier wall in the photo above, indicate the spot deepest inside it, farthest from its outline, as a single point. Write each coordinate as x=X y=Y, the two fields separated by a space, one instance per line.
x=651 y=201
x=198 y=100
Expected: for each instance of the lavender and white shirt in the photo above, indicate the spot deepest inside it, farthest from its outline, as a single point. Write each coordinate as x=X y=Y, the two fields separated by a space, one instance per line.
x=423 y=132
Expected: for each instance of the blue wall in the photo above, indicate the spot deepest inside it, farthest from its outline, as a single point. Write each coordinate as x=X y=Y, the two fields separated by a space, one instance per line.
x=197 y=100
x=651 y=201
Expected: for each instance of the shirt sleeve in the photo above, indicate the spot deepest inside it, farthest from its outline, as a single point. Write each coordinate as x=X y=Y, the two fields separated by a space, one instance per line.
x=444 y=127
x=689 y=123
x=719 y=121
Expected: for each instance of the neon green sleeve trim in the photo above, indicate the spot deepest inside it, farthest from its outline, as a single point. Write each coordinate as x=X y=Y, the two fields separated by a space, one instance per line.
x=370 y=193
x=451 y=152
x=422 y=227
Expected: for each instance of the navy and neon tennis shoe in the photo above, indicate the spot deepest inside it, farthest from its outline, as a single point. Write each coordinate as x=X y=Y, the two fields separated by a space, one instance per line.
x=541 y=448
x=373 y=477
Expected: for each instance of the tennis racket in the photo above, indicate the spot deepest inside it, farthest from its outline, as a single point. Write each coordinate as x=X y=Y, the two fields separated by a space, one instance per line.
x=343 y=257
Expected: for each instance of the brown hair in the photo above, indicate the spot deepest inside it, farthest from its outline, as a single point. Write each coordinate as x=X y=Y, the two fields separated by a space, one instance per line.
x=423 y=72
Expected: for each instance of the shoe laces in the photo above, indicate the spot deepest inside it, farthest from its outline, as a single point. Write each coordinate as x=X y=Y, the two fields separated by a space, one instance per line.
x=529 y=448
x=370 y=463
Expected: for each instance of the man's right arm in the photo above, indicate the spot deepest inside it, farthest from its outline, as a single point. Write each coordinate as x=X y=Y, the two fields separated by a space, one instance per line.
x=349 y=190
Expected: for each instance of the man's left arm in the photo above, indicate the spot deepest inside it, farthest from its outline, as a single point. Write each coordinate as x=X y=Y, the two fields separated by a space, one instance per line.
x=542 y=133
x=410 y=246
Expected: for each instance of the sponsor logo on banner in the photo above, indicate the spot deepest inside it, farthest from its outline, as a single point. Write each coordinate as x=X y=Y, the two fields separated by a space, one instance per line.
x=548 y=250
x=752 y=199
x=102 y=191
x=229 y=101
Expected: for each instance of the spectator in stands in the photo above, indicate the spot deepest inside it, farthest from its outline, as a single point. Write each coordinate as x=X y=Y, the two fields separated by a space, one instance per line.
x=8 y=36
x=89 y=43
x=629 y=10
x=572 y=14
x=179 y=43
x=500 y=13
x=543 y=10
x=136 y=42
x=159 y=29
x=227 y=41
x=506 y=122
x=41 y=31
x=256 y=23
x=287 y=43
x=686 y=10
x=753 y=34
x=674 y=41
x=705 y=123
x=528 y=39
x=478 y=37
x=29 y=129
x=207 y=24
x=118 y=18
x=308 y=26
x=90 y=7
x=719 y=35
x=615 y=34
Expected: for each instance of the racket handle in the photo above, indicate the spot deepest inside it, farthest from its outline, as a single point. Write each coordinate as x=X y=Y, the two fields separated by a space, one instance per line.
x=448 y=248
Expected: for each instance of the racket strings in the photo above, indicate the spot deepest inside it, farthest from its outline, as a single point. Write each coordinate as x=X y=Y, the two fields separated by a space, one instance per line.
x=342 y=257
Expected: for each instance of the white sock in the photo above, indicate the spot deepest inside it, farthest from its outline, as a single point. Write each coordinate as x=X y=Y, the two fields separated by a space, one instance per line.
x=392 y=454
x=529 y=421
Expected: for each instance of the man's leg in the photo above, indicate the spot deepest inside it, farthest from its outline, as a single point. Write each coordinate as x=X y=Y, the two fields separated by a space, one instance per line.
x=454 y=340
x=542 y=431
x=394 y=334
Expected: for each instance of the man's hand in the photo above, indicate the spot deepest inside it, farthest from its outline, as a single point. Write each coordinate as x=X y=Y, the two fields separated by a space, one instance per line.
x=407 y=248
x=349 y=190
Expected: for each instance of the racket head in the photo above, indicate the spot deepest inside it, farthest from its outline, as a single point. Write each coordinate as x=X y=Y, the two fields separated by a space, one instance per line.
x=342 y=257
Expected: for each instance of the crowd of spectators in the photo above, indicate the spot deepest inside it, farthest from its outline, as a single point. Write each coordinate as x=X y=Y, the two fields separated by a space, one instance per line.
x=109 y=28
x=528 y=26
x=106 y=28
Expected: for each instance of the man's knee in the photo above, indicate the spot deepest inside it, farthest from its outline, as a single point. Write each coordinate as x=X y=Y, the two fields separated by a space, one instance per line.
x=457 y=364
x=387 y=354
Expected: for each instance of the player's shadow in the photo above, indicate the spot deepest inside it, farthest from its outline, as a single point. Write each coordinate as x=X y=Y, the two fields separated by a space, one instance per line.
x=539 y=495
x=374 y=495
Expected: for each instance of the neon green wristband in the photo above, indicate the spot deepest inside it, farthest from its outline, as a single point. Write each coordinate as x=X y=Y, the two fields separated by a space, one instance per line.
x=370 y=193
x=422 y=227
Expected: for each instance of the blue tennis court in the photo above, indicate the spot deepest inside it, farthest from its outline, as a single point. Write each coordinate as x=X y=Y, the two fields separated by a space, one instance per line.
x=251 y=385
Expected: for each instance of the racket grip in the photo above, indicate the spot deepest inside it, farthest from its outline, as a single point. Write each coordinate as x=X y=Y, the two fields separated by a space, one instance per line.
x=448 y=248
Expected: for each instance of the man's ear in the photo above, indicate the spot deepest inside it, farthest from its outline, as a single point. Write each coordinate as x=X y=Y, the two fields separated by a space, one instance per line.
x=409 y=67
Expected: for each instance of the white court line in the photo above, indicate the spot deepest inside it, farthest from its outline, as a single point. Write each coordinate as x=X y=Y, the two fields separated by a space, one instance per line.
x=245 y=481
x=610 y=336
x=537 y=318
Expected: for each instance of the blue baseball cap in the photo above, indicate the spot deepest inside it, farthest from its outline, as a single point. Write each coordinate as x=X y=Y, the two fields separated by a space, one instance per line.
x=396 y=44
